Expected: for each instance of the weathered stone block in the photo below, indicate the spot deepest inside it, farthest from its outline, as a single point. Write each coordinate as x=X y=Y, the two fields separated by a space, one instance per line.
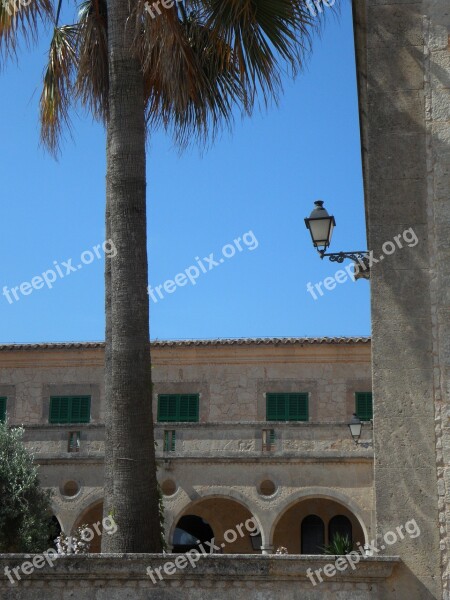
x=395 y=69
x=398 y=156
x=395 y=25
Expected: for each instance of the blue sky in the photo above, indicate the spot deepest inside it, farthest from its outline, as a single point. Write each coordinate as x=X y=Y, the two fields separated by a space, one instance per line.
x=262 y=178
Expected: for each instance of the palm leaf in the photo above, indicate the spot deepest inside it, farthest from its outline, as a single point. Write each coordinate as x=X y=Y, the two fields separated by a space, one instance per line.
x=266 y=36
x=186 y=88
x=202 y=58
x=21 y=19
x=57 y=93
x=92 y=82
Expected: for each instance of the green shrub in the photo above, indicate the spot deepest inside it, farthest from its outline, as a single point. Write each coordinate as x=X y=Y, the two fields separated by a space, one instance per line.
x=25 y=507
x=340 y=545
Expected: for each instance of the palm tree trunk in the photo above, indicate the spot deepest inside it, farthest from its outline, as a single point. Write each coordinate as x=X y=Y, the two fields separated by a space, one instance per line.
x=130 y=474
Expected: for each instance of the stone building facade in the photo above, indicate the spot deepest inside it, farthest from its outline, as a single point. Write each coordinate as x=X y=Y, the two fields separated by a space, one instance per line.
x=403 y=69
x=226 y=462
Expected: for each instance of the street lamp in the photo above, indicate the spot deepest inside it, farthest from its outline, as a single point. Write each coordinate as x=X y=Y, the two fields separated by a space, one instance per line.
x=355 y=427
x=321 y=225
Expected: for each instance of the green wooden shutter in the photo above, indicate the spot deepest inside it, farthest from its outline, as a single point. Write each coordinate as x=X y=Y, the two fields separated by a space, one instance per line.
x=2 y=408
x=192 y=411
x=70 y=409
x=271 y=408
x=162 y=408
x=169 y=441
x=287 y=407
x=80 y=409
x=54 y=410
x=178 y=407
x=59 y=409
x=167 y=408
x=183 y=408
x=272 y=437
x=282 y=407
x=364 y=405
x=298 y=407
x=276 y=405
x=188 y=408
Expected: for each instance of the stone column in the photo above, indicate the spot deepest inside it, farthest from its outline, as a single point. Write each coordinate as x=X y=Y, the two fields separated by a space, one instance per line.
x=404 y=79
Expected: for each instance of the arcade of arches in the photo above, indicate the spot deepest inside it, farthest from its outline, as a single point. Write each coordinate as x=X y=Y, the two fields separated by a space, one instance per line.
x=303 y=528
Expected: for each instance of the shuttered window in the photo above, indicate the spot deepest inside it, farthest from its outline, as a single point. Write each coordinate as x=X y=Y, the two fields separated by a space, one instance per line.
x=70 y=409
x=268 y=439
x=2 y=409
x=287 y=407
x=178 y=408
x=364 y=405
x=74 y=441
x=169 y=441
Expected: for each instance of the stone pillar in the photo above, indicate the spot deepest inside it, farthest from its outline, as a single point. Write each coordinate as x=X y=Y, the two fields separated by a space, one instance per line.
x=404 y=79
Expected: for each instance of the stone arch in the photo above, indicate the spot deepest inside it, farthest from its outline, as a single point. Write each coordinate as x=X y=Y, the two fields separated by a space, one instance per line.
x=325 y=494
x=92 y=515
x=89 y=500
x=216 y=509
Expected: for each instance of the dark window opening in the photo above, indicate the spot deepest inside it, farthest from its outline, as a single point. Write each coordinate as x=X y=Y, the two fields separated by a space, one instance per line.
x=313 y=535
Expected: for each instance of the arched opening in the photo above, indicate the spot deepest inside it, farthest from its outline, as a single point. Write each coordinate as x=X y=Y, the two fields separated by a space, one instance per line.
x=340 y=525
x=190 y=533
x=92 y=517
x=301 y=536
x=54 y=529
x=312 y=535
x=231 y=523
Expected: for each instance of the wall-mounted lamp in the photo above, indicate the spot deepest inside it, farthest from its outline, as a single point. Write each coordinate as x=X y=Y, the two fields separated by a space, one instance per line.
x=355 y=427
x=321 y=225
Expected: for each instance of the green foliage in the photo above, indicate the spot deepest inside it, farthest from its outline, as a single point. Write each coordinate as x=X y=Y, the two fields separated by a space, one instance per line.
x=24 y=506
x=340 y=545
x=161 y=518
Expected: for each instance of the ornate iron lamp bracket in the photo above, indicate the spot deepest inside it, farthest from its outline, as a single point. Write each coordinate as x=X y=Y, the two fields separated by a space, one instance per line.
x=359 y=257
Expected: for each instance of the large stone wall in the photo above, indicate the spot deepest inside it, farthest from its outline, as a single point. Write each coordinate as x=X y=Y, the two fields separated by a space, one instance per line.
x=123 y=577
x=404 y=79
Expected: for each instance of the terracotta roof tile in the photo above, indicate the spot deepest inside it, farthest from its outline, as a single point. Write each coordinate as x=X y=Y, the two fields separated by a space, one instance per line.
x=213 y=342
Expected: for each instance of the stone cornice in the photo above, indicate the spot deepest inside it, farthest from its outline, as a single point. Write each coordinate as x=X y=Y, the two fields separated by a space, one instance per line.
x=195 y=352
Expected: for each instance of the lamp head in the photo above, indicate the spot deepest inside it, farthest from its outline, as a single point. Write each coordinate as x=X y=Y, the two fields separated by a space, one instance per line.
x=320 y=225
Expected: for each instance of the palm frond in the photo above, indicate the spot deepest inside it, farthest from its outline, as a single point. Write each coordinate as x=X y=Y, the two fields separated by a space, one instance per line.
x=20 y=18
x=266 y=37
x=92 y=82
x=202 y=58
x=187 y=89
x=57 y=93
